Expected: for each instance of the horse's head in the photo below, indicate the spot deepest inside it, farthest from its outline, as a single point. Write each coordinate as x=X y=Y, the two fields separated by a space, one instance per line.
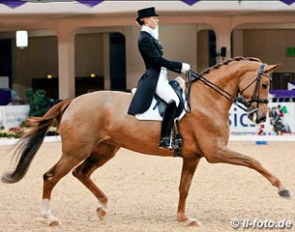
x=254 y=89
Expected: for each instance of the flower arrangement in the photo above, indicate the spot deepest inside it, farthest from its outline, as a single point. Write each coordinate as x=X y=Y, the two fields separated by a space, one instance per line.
x=17 y=132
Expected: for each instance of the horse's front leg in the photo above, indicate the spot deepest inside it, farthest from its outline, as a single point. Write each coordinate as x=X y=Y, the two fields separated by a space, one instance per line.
x=226 y=155
x=188 y=170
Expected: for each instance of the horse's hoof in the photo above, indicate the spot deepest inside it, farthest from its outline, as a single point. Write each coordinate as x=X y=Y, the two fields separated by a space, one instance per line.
x=101 y=213
x=192 y=222
x=54 y=223
x=285 y=193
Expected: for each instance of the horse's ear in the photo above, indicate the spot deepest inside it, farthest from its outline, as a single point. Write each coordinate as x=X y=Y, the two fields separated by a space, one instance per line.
x=270 y=68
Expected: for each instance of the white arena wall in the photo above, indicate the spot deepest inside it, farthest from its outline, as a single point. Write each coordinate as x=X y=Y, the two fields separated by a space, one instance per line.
x=241 y=128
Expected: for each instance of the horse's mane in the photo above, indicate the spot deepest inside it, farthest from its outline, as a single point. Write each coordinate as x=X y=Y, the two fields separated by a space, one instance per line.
x=226 y=62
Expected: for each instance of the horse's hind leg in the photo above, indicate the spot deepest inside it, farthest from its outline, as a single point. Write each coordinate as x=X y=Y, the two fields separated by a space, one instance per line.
x=65 y=164
x=100 y=155
x=225 y=155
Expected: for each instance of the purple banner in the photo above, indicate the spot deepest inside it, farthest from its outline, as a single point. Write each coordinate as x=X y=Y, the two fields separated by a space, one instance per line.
x=12 y=3
x=90 y=3
x=17 y=3
x=190 y=2
x=289 y=2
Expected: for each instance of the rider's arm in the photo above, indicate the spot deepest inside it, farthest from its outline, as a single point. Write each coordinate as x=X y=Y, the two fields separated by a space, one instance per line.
x=151 y=52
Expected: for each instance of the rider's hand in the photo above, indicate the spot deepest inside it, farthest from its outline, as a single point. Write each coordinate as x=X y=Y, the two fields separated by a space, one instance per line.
x=185 y=68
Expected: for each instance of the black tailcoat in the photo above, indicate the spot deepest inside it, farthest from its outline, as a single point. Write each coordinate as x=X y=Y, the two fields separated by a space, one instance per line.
x=152 y=54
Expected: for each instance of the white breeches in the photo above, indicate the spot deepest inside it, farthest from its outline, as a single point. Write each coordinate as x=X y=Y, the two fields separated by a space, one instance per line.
x=164 y=90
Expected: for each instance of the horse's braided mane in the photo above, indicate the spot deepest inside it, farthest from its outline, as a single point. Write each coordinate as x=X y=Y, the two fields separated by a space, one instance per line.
x=226 y=62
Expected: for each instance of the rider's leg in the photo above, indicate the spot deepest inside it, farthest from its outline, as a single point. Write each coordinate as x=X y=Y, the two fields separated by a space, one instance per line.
x=165 y=92
x=167 y=124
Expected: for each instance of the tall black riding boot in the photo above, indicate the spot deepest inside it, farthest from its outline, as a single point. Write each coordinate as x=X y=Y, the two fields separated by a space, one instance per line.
x=167 y=124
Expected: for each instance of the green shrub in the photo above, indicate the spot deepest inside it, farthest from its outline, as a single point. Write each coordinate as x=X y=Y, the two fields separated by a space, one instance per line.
x=39 y=103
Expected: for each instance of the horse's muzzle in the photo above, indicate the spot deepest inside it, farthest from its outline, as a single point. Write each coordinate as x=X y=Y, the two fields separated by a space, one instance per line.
x=256 y=117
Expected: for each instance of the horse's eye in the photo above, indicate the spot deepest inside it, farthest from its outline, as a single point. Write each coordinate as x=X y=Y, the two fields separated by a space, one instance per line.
x=264 y=86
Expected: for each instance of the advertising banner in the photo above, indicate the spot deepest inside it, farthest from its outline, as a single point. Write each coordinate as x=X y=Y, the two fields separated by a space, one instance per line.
x=280 y=121
x=13 y=115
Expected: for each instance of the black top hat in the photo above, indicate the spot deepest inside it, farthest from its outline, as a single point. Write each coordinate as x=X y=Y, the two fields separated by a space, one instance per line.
x=147 y=12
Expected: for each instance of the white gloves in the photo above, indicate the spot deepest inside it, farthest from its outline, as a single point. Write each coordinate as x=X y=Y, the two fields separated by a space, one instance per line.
x=185 y=68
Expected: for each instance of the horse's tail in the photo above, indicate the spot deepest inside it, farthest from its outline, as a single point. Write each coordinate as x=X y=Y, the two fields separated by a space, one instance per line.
x=30 y=142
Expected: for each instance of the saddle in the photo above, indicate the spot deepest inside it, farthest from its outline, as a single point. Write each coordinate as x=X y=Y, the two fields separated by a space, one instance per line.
x=162 y=105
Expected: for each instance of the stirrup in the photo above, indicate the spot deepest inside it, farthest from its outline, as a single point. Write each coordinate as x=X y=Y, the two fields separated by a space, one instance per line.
x=165 y=143
x=177 y=139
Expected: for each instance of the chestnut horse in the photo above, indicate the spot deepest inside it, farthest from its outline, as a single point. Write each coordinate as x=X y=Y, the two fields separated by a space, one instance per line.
x=94 y=126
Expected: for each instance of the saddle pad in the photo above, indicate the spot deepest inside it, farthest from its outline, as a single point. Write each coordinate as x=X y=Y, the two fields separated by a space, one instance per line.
x=154 y=115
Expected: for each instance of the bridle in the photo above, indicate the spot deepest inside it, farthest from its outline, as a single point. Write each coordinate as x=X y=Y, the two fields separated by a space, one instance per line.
x=238 y=100
x=247 y=106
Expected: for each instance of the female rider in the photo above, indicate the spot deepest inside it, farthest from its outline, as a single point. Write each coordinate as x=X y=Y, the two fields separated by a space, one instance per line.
x=154 y=80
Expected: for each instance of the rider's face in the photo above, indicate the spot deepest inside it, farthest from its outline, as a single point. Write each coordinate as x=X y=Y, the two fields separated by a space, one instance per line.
x=151 y=22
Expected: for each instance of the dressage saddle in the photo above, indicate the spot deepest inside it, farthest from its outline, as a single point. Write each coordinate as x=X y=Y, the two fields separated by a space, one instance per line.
x=162 y=105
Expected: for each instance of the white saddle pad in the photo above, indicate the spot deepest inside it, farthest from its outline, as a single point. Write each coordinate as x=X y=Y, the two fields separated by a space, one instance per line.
x=154 y=115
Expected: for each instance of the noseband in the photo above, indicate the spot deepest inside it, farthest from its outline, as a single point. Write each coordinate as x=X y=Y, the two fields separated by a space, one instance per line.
x=238 y=100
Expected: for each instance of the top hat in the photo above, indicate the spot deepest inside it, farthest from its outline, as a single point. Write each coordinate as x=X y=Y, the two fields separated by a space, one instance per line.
x=147 y=12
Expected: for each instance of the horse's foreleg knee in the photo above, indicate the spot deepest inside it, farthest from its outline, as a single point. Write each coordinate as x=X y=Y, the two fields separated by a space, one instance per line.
x=213 y=159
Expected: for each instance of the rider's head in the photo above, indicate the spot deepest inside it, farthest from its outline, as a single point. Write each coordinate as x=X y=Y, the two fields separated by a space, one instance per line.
x=148 y=17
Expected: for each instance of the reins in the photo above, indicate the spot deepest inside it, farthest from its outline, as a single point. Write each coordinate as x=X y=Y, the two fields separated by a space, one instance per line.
x=193 y=76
